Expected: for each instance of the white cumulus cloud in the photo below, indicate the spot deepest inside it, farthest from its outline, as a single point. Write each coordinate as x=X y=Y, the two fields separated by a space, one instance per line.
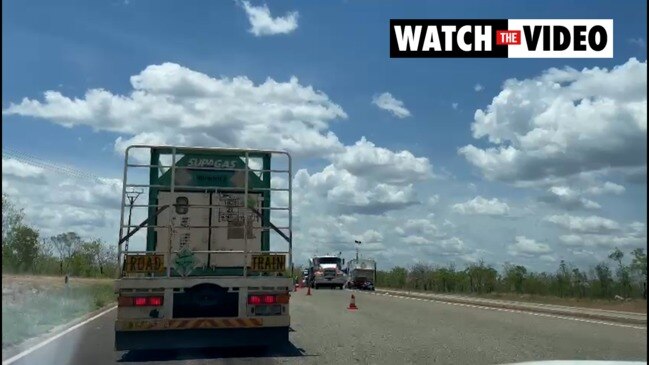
x=630 y=235
x=607 y=188
x=568 y=198
x=387 y=102
x=524 y=246
x=346 y=193
x=57 y=200
x=564 y=122
x=382 y=165
x=262 y=22
x=171 y=104
x=590 y=224
x=20 y=169
x=433 y=200
x=419 y=227
x=438 y=247
x=482 y=206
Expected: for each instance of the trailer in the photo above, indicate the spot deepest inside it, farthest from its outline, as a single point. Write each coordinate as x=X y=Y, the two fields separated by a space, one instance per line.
x=362 y=274
x=205 y=275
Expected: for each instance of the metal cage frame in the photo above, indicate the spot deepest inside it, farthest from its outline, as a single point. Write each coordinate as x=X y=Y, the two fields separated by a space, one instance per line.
x=175 y=151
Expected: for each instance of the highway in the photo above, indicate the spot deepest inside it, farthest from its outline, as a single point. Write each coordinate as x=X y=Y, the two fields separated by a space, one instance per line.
x=384 y=330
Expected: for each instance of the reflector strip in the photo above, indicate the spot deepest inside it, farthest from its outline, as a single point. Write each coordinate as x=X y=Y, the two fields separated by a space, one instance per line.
x=164 y=324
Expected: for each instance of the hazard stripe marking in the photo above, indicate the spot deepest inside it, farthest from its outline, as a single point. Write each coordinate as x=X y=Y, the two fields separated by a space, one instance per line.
x=188 y=324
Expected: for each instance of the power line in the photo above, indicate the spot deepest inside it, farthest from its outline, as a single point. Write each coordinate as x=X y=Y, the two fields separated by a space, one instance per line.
x=55 y=167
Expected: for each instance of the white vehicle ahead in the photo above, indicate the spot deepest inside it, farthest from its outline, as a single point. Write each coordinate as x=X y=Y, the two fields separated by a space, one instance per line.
x=327 y=271
x=205 y=275
x=361 y=273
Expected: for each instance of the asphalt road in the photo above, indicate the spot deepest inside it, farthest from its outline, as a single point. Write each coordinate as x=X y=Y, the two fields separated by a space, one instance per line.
x=385 y=330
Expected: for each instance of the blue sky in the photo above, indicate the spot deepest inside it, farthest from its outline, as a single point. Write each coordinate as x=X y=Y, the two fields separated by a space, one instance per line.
x=340 y=49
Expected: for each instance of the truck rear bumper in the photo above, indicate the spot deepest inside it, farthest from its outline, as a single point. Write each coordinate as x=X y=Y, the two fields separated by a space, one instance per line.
x=332 y=282
x=200 y=338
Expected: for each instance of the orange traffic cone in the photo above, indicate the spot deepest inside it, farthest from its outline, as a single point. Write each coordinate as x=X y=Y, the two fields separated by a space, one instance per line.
x=352 y=304
x=308 y=292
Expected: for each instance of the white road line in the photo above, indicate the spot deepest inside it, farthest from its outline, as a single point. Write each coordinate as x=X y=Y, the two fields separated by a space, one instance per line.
x=36 y=347
x=525 y=312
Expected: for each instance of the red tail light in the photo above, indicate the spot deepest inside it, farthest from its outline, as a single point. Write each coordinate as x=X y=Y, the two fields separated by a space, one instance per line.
x=139 y=301
x=267 y=299
x=254 y=299
x=155 y=301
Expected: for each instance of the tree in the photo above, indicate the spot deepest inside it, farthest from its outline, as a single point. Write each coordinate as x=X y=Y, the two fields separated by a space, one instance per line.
x=46 y=262
x=514 y=277
x=604 y=278
x=108 y=260
x=418 y=276
x=563 y=279
x=445 y=279
x=482 y=278
x=639 y=266
x=66 y=245
x=23 y=247
x=616 y=256
x=622 y=272
x=399 y=275
x=580 y=282
x=11 y=217
x=639 y=262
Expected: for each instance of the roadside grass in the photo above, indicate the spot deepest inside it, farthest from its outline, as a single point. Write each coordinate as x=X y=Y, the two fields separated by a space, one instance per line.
x=31 y=310
x=630 y=305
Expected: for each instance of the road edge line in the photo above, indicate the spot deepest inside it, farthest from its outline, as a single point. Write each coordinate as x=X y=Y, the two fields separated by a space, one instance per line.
x=55 y=337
